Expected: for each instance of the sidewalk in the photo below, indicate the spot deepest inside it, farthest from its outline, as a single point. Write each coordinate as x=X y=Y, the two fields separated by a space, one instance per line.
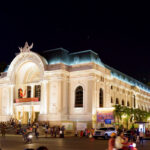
x=40 y=136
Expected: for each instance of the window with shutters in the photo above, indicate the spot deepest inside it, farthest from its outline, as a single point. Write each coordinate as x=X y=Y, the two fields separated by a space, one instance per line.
x=38 y=91
x=101 y=101
x=122 y=103
x=117 y=101
x=28 y=91
x=79 y=97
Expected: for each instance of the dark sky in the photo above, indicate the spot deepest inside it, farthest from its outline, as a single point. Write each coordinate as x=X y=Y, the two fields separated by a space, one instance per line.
x=119 y=33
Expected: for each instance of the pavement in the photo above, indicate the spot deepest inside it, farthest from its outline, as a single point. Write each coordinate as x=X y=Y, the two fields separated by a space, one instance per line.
x=13 y=142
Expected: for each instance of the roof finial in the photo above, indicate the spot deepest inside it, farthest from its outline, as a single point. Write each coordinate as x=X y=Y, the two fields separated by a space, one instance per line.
x=26 y=47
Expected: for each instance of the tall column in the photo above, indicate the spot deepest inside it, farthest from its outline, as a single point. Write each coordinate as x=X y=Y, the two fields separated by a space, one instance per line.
x=43 y=108
x=32 y=91
x=11 y=99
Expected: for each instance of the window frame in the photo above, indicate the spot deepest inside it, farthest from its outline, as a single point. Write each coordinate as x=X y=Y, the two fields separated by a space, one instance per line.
x=78 y=102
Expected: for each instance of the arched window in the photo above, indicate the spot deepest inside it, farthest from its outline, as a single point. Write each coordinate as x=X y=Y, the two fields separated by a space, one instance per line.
x=101 y=98
x=122 y=102
x=38 y=91
x=117 y=101
x=111 y=100
x=128 y=104
x=79 y=97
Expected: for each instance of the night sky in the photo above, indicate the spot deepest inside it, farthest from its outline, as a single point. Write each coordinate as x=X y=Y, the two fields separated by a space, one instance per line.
x=119 y=33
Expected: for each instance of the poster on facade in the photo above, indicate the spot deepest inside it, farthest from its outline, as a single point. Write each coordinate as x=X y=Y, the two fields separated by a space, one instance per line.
x=68 y=125
x=81 y=126
x=105 y=115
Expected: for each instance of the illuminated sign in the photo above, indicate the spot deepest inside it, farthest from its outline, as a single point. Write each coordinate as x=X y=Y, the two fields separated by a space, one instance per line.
x=20 y=100
x=107 y=121
x=105 y=115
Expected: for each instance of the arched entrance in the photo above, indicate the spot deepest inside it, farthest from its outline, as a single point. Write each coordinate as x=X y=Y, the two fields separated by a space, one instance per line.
x=26 y=75
x=27 y=92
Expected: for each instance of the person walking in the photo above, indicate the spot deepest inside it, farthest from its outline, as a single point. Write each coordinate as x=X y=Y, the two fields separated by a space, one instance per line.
x=111 y=142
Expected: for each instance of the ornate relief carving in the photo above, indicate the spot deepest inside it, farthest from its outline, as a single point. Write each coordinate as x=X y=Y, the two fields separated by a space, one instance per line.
x=26 y=47
x=21 y=59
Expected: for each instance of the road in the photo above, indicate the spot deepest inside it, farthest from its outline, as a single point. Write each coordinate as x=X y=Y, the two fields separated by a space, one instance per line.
x=69 y=143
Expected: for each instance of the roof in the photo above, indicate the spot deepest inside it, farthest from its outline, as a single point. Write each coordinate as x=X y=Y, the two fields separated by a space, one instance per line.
x=125 y=78
x=61 y=55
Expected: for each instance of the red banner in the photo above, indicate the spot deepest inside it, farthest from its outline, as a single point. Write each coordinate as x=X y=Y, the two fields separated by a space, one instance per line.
x=20 y=100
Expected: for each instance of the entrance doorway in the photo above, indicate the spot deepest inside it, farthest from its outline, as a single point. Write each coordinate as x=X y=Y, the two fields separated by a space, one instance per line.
x=26 y=117
x=27 y=113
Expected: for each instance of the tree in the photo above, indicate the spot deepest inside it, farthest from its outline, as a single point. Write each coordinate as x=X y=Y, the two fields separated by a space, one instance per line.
x=127 y=111
x=131 y=115
x=118 y=112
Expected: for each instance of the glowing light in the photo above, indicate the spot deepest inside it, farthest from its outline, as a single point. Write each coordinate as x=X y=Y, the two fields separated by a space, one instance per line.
x=127 y=79
x=124 y=116
x=148 y=119
x=106 y=109
x=78 y=58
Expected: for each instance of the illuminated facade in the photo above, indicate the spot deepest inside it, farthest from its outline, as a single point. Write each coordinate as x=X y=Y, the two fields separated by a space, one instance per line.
x=65 y=88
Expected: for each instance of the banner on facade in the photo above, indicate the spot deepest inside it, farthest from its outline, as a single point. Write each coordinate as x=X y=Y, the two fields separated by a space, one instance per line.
x=105 y=115
x=20 y=100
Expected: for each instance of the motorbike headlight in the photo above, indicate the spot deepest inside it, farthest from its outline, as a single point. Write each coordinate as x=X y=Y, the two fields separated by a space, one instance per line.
x=134 y=144
x=30 y=136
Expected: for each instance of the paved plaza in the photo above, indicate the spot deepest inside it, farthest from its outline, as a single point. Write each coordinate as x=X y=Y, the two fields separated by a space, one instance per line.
x=69 y=143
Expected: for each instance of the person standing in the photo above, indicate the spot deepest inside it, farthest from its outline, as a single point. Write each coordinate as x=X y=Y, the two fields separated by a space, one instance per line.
x=46 y=131
x=37 y=132
x=55 y=131
x=141 y=135
x=3 y=131
x=119 y=141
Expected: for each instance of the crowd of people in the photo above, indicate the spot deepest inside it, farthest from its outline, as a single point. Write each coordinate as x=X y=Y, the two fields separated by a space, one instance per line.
x=35 y=127
x=118 y=141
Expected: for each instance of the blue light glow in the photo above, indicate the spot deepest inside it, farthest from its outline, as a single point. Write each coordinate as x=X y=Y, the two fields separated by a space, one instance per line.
x=127 y=79
x=6 y=69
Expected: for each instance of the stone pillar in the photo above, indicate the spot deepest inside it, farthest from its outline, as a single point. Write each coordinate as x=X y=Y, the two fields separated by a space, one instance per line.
x=22 y=116
x=32 y=91
x=43 y=107
x=11 y=99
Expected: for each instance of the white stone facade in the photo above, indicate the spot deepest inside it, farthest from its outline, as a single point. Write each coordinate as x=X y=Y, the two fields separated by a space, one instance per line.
x=58 y=84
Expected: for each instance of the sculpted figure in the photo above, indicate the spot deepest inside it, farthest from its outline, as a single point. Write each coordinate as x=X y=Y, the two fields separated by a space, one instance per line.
x=26 y=47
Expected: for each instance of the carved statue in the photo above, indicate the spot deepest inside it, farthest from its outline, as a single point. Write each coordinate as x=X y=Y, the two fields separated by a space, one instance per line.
x=26 y=47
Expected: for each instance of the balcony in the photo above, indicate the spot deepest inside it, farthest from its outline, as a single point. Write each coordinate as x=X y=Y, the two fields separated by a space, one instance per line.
x=22 y=100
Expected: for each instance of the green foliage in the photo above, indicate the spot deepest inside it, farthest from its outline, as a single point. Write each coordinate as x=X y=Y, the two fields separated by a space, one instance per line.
x=131 y=115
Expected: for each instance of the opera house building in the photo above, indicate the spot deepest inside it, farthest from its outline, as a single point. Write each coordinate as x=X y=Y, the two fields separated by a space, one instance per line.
x=76 y=90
